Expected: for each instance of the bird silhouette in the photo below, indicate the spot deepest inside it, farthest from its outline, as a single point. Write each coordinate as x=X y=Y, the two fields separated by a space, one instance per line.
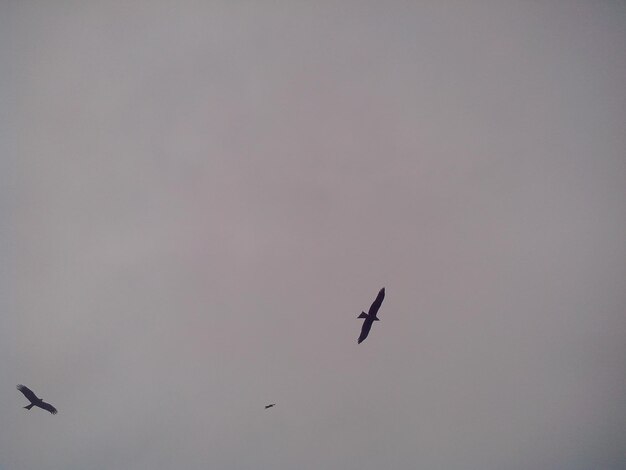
x=35 y=400
x=270 y=405
x=370 y=317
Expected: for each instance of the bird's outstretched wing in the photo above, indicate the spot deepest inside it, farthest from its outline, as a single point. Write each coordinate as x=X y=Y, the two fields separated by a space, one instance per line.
x=47 y=407
x=28 y=393
x=376 y=304
x=365 y=330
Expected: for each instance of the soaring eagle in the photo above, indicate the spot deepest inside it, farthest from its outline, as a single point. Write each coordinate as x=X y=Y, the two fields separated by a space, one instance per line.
x=370 y=317
x=35 y=400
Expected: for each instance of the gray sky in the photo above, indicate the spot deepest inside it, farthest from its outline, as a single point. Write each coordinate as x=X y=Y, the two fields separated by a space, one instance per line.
x=198 y=200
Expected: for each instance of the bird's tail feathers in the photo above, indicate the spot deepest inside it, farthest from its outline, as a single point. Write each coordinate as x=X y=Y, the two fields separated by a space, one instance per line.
x=363 y=315
x=29 y=406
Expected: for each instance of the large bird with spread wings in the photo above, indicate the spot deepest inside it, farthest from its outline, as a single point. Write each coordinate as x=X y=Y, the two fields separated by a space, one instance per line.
x=370 y=317
x=35 y=400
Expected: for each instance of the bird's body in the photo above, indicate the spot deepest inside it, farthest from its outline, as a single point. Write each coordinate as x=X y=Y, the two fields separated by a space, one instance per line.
x=35 y=400
x=370 y=317
x=270 y=405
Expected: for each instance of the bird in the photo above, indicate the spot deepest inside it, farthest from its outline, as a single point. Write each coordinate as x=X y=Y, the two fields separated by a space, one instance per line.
x=270 y=405
x=370 y=317
x=35 y=400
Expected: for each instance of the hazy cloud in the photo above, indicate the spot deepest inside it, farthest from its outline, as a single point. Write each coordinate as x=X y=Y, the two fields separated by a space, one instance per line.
x=198 y=200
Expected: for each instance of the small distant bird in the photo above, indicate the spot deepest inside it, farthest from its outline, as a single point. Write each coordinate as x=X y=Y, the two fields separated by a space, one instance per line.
x=270 y=405
x=370 y=317
x=35 y=400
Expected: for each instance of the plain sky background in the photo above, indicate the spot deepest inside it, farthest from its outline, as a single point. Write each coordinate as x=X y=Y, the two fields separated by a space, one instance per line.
x=198 y=198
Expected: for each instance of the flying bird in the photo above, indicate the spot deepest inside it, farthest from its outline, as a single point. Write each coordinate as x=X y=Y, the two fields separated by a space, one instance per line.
x=370 y=317
x=35 y=400
x=270 y=405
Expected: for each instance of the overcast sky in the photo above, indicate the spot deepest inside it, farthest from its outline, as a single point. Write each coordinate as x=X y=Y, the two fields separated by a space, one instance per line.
x=198 y=199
